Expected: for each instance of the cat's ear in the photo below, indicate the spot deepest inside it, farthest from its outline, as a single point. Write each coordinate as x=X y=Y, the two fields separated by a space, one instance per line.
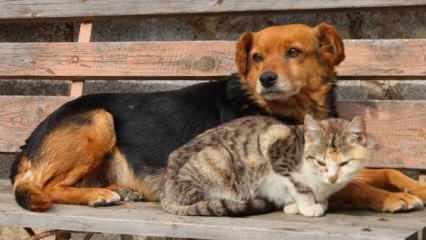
x=311 y=124
x=357 y=125
x=312 y=130
x=357 y=130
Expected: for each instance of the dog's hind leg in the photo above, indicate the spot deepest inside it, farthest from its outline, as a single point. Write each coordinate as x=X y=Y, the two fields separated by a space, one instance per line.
x=75 y=149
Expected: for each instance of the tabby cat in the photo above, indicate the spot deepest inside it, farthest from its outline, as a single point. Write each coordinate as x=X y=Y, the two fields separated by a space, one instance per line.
x=256 y=164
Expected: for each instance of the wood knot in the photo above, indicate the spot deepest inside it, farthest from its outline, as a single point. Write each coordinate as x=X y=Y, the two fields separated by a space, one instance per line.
x=205 y=64
x=75 y=59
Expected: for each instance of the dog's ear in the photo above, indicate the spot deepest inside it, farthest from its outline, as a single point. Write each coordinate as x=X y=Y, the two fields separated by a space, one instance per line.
x=242 y=53
x=330 y=44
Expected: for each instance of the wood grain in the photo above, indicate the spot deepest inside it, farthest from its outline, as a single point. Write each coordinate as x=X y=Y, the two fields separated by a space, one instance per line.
x=20 y=115
x=188 y=59
x=149 y=220
x=84 y=36
x=397 y=127
x=39 y=9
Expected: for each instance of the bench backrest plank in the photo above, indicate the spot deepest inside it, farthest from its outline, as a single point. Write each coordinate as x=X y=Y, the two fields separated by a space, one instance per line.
x=41 y=9
x=398 y=128
x=192 y=59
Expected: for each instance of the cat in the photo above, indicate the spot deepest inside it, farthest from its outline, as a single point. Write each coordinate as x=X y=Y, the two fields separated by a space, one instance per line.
x=257 y=164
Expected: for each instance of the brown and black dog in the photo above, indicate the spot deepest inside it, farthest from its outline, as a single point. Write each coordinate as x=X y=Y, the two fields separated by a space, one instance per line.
x=100 y=149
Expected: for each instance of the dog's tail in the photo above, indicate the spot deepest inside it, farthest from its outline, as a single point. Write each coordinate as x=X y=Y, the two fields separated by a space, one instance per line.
x=31 y=197
x=219 y=207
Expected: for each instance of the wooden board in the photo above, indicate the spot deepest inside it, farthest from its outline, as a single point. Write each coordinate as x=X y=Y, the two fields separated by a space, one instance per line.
x=188 y=59
x=21 y=114
x=25 y=9
x=397 y=127
x=85 y=34
x=149 y=220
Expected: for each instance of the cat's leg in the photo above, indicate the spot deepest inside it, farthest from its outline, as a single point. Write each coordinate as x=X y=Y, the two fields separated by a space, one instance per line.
x=307 y=206
x=291 y=208
x=361 y=195
x=391 y=179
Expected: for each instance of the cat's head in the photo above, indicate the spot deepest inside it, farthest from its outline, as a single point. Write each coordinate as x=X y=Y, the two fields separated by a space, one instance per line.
x=335 y=149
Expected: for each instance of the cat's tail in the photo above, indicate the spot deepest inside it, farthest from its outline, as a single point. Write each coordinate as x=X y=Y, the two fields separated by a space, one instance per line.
x=219 y=207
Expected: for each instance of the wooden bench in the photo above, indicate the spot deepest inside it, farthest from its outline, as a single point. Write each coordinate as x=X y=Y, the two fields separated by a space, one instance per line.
x=398 y=126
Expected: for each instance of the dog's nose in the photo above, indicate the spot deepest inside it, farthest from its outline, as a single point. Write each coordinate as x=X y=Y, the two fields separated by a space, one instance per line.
x=268 y=79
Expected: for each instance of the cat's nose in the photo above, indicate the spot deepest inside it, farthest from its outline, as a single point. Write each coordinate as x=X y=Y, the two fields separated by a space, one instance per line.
x=332 y=179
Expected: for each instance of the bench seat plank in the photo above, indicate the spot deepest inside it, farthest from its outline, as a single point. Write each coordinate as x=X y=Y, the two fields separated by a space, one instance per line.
x=40 y=9
x=189 y=59
x=398 y=127
x=149 y=220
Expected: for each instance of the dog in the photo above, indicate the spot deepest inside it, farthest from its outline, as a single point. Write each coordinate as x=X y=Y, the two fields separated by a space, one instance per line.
x=101 y=149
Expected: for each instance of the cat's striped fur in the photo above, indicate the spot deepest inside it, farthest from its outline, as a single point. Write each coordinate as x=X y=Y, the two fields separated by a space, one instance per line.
x=257 y=164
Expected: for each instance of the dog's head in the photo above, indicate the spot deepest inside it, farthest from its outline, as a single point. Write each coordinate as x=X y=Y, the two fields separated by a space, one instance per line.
x=281 y=62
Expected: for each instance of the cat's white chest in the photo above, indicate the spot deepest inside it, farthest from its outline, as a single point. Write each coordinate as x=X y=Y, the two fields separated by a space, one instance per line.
x=275 y=188
x=321 y=190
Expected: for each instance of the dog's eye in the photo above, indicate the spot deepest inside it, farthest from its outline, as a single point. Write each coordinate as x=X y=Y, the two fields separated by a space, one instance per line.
x=257 y=58
x=293 y=52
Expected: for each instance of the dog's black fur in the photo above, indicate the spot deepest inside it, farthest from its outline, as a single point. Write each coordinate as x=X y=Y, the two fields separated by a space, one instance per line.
x=151 y=125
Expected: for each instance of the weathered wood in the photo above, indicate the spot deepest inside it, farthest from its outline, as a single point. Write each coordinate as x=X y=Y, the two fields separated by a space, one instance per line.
x=84 y=36
x=149 y=220
x=20 y=114
x=39 y=9
x=397 y=127
x=182 y=59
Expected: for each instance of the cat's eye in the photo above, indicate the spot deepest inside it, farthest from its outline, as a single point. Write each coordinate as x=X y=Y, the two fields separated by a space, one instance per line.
x=343 y=163
x=257 y=58
x=293 y=52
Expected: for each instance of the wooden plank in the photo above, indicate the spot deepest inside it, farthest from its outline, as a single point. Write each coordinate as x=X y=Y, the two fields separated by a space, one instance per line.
x=84 y=36
x=149 y=220
x=397 y=127
x=183 y=59
x=39 y=9
x=20 y=115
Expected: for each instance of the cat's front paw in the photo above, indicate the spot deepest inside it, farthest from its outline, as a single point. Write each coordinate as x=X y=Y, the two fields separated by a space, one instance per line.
x=291 y=209
x=315 y=210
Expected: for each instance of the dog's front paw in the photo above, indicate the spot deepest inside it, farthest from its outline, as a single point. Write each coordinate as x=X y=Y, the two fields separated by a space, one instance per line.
x=420 y=193
x=315 y=210
x=397 y=202
x=128 y=194
x=105 y=197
